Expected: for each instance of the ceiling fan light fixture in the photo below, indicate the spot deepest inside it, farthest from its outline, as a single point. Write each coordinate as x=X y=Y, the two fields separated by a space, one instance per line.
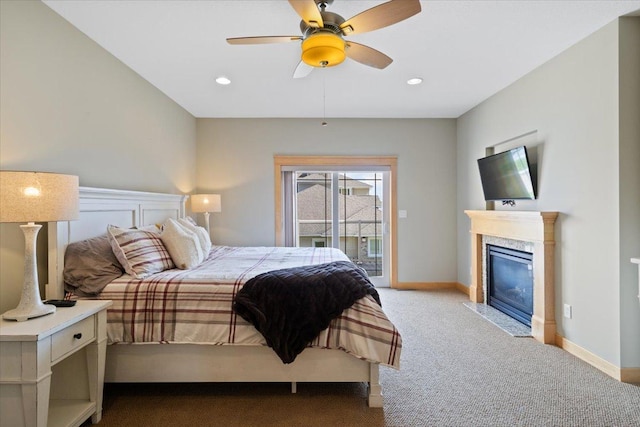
x=323 y=50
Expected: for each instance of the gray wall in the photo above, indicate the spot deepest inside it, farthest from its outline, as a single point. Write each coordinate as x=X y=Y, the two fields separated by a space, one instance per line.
x=235 y=158
x=629 y=176
x=586 y=172
x=68 y=106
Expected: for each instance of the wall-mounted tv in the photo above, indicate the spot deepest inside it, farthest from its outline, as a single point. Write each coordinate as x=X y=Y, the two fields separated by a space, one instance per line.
x=507 y=176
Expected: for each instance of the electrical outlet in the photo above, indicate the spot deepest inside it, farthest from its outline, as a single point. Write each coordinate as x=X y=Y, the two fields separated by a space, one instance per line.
x=567 y=311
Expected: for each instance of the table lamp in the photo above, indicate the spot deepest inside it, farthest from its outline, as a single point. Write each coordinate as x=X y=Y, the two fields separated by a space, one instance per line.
x=205 y=203
x=35 y=197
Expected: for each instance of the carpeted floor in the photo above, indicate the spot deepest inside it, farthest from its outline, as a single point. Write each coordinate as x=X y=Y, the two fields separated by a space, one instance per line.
x=457 y=369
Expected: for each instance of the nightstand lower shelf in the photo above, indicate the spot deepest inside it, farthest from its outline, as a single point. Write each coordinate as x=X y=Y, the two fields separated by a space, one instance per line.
x=67 y=412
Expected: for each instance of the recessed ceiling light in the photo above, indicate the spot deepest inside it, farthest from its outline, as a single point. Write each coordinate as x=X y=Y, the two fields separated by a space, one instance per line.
x=223 y=80
x=414 y=81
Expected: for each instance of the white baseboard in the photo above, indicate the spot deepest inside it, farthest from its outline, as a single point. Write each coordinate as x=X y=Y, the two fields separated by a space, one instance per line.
x=627 y=375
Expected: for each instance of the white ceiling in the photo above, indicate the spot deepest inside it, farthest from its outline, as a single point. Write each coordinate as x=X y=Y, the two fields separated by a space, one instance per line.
x=464 y=50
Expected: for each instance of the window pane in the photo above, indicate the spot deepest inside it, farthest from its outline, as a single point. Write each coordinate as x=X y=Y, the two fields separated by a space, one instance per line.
x=359 y=214
x=313 y=209
x=360 y=207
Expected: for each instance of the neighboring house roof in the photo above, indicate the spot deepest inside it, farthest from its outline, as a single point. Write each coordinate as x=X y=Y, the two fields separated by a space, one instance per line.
x=344 y=181
x=314 y=204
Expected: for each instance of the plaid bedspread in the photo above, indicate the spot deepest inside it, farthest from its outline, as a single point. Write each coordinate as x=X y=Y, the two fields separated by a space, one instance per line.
x=195 y=306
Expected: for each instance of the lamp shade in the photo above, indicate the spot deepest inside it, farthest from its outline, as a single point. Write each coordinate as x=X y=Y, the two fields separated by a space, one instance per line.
x=206 y=203
x=38 y=197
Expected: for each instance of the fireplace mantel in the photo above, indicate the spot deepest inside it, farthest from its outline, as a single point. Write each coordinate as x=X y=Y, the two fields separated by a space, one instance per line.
x=527 y=226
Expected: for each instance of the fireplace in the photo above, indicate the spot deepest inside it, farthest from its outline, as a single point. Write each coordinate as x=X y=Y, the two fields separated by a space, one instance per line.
x=510 y=282
x=536 y=229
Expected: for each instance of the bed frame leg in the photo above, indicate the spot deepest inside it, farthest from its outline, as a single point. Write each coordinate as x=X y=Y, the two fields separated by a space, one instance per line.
x=294 y=387
x=374 y=399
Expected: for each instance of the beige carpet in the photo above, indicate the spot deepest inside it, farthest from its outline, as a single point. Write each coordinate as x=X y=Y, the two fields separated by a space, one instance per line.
x=457 y=370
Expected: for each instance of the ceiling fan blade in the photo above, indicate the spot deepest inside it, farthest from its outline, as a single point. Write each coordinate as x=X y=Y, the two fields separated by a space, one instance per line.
x=302 y=70
x=263 y=39
x=367 y=55
x=381 y=16
x=308 y=11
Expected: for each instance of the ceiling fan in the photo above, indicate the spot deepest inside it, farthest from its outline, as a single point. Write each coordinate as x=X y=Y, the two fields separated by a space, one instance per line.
x=323 y=43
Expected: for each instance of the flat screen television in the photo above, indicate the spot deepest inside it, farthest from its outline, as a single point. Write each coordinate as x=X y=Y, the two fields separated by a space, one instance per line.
x=507 y=176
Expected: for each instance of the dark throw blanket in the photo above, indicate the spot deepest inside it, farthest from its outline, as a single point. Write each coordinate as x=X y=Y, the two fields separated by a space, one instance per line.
x=290 y=307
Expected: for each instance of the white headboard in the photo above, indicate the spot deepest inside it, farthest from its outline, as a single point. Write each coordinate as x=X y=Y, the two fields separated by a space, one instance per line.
x=100 y=207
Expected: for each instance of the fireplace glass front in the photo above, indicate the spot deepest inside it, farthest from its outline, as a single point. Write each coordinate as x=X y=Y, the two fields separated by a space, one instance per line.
x=510 y=282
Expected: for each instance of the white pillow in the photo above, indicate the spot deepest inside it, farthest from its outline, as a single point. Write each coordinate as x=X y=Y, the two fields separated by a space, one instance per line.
x=183 y=245
x=203 y=235
x=140 y=252
x=189 y=219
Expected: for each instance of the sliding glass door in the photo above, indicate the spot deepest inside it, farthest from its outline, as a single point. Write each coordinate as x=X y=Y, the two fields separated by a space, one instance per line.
x=344 y=209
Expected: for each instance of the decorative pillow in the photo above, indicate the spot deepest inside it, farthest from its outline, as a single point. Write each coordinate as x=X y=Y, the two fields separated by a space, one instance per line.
x=140 y=252
x=89 y=265
x=203 y=235
x=183 y=245
x=189 y=219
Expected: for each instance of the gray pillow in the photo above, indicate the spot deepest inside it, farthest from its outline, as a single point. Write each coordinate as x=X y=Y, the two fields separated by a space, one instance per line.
x=89 y=265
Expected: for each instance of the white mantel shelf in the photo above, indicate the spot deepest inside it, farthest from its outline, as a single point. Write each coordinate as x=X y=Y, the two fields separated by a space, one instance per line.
x=528 y=226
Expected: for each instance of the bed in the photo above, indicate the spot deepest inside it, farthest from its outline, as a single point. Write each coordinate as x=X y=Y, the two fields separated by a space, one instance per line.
x=157 y=334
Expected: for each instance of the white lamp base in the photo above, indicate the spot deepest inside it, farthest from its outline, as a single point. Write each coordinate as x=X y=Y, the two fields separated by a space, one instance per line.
x=206 y=222
x=27 y=313
x=30 y=305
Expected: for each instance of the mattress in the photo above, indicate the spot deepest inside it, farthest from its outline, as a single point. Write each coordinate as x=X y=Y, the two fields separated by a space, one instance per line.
x=195 y=306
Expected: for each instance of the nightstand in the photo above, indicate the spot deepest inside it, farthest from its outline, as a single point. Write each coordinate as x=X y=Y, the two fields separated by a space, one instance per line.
x=52 y=367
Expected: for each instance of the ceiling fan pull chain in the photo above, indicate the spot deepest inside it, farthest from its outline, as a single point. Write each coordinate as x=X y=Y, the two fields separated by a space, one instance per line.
x=324 y=101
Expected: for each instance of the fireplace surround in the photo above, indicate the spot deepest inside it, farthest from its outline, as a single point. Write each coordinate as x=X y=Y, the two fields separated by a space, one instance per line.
x=536 y=229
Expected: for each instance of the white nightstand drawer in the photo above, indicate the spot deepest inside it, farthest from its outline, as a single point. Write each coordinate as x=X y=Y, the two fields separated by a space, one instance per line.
x=72 y=338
